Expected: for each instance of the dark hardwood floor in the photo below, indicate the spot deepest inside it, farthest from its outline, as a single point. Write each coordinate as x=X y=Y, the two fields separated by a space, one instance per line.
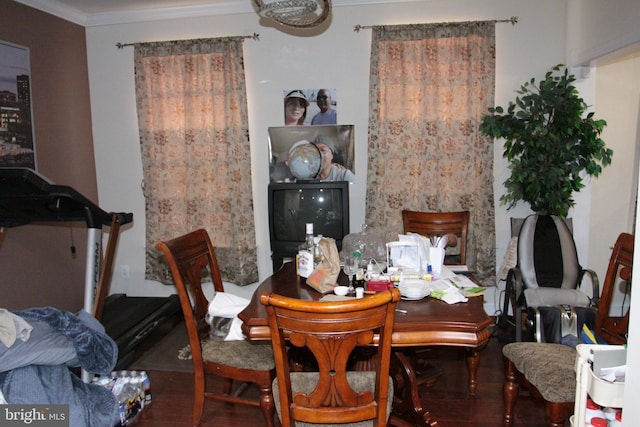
x=448 y=400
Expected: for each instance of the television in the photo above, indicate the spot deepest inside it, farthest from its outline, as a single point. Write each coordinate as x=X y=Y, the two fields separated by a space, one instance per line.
x=293 y=204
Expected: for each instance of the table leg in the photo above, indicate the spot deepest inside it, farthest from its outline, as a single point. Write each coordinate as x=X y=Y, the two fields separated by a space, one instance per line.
x=426 y=373
x=406 y=401
x=473 y=361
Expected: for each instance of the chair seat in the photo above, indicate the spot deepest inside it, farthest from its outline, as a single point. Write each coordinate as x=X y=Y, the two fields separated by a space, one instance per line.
x=537 y=297
x=255 y=355
x=550 y=368
x=359 y=380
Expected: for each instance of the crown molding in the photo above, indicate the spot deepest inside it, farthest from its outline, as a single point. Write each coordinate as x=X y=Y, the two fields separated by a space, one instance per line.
x=159 y=14
x=229 y=7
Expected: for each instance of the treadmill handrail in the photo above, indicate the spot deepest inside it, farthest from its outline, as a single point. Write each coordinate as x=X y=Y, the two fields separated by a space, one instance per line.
x=27 y=197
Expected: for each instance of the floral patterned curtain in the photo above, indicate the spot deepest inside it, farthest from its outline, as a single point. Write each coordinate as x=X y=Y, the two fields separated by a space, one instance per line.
x=194 y=138
x=430 y=85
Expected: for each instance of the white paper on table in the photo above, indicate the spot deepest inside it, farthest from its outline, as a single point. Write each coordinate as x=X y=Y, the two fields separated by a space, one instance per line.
x=444 y=290
x=463 y=281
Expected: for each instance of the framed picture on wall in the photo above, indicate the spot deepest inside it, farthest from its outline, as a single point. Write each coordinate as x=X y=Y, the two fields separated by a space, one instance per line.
x=304 y=107
x=17 y=147
x=322 y=152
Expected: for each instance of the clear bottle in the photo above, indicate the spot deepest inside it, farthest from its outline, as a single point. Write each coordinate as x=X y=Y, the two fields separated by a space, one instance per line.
x=617 y=421
x=593 y=410
x=304 y=259
x=610 y=413
x=146 y=385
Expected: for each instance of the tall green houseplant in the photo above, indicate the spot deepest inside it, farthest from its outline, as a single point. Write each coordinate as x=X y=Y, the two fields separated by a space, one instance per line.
x=550 y=143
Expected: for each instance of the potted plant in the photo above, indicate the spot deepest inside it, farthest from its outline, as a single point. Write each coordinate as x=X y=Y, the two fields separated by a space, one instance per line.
x=549 y=142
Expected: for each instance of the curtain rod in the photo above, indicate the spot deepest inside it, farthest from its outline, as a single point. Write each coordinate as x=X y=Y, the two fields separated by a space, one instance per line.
x=255 y=36
x=513 y=20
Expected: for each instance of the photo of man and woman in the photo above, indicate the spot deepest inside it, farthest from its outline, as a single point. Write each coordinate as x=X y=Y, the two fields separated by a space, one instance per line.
x=310 y=107
x=319 y=152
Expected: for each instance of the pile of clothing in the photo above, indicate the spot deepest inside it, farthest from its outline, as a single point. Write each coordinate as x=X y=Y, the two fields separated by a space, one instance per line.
x=42 y=348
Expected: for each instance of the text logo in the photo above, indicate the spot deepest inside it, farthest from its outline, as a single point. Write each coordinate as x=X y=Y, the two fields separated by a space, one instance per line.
x=34 y=415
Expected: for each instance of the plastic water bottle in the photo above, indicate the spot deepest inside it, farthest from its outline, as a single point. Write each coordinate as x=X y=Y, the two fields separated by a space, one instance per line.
x=593 y=411
x=146 y=386
x=617 y=421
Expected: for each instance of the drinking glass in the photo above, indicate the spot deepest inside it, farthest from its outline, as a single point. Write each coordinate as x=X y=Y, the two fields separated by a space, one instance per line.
x=350 y=268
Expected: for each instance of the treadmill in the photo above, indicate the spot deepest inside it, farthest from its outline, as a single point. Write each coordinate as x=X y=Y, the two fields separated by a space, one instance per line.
x=27 y=197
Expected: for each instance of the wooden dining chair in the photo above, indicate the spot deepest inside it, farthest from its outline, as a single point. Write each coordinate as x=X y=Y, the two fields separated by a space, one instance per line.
x=438 y=224
x=333 y=395
x=190 y=258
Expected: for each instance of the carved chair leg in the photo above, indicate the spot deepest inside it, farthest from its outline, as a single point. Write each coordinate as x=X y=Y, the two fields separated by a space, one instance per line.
x=557 y=413
x=510 y=391
x=199 y=387
x=267 y=404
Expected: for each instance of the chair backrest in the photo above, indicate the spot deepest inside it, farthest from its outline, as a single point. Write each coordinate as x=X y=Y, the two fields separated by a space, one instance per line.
x=438 y=224
x=331 y=331
x=547 y=254
x=614 y=328
x=192 y=258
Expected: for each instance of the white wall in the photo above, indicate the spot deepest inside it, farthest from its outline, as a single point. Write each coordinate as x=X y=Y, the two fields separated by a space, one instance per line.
x=614 y=192
x=338 y=58
x=597 y=28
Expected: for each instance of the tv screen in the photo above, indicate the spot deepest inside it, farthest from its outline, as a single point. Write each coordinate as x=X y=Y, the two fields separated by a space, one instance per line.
x=292 y=205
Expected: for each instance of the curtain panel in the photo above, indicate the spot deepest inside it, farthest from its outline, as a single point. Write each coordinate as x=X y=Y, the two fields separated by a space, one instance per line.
x=194 y=140
x=430 y=85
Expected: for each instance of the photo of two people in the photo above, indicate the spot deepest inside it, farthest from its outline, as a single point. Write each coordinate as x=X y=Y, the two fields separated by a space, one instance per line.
x=321 y=152
x=304 y=107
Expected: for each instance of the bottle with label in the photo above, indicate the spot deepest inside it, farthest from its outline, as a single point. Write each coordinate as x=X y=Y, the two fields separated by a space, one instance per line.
x=306 y=252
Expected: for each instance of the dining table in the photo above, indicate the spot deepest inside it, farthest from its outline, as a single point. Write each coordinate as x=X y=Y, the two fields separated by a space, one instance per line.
x=427 y=322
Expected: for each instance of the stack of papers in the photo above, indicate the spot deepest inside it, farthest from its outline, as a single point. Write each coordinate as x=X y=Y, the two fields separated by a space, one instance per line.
x=466 y=285
x=452 y=288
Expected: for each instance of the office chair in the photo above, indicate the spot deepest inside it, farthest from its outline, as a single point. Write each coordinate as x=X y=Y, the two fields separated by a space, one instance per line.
x=189 y=257
x=548 y=369
x=438 y=224
x=547 y=273
x=333 y=395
